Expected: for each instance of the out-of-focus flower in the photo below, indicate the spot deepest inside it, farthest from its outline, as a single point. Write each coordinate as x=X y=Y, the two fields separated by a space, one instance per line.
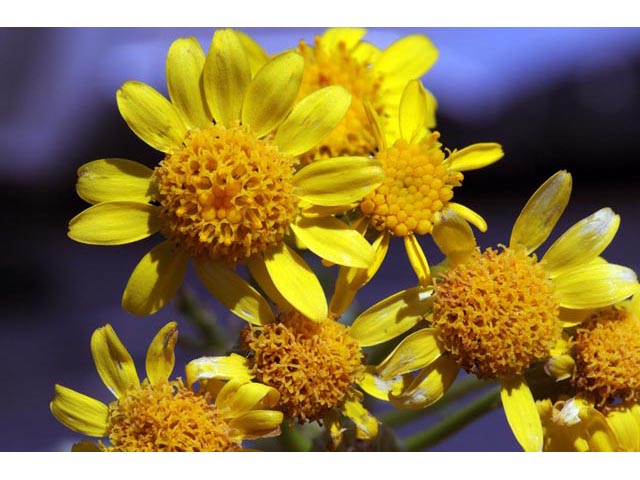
x=497 y=313
x=159 y=414
x=227 y=190
x=340 y=56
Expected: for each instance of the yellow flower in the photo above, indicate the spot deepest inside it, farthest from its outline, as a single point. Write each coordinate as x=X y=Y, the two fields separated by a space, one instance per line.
x=159 y=414
x=497 y=313
x=575 y=425
x=227 y=190
x=315 y=366
x=341 y=57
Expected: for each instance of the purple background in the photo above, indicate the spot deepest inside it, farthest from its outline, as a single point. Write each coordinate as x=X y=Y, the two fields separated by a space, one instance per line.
x=554 y=98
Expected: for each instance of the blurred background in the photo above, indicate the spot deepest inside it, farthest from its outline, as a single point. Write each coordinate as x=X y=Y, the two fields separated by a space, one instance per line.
x=555 y=98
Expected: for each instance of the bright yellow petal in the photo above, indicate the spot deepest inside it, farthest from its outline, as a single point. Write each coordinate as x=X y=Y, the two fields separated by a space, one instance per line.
x=160 y=355
x=582 y=242
x=221 y=368
x=429 y=386
x=185 y=63
x=111 y=179
x=155 y=280
x=392 y=316
x=366 y=424
x=571 y=318
x=257 y=424
x=234 y=292
x=350 y=37
x=413 y=110
x=115 y=223
x=337 y=181
x=522 y=414
x=453 y=236
x=227 y=74
x=542 y=211
x=366 y=53
x=406 y=59
x=417 y=259
x=255 y=53
x=378 y=387
x=79 y=412
x=473 y=157
x=113 y=362
x=272 y=92
x=297 y=283
x=238 y=397
x=333 y=240
x=624 y=421
x=414 y=352
x=311 y=119
x=259 y=272
x=151 y=116
x=595 y=285
x=469 y=215
x=375 y=123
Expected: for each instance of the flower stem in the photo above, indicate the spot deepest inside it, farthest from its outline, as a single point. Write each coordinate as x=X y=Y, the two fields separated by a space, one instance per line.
x=454 y=421
x=293 y=440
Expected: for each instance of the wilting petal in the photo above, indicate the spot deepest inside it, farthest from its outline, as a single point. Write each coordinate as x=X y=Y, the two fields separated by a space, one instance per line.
x=155 y=280
x=560 y=367
x=469 y=215
x=332 y=423
x=541 y=213
x=414 y=352
x=417 y=259
x=240 y=396
x=406 y=59
x=453 y=236
x=379 y=387
x=110 y=179
x=160 y=355
x=222 y=368
x=113 y=362
x=366 y=424
x=115 y=223
x=522 y=414
x=79 y=412
x=473 y=157
x=429 y=386
x=257 y=424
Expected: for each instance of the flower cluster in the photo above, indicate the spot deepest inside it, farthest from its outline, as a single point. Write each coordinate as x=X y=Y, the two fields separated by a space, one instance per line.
x=331 y=149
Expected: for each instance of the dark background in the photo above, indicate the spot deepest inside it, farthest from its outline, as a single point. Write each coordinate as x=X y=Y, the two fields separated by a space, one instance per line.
x=554 y=98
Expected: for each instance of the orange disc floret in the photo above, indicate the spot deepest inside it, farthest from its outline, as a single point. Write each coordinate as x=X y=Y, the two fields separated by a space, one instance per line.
x=226 y=193
x=607 y=354
x=496 y=313
x=416 y=187
x=323 y=67
x=167 y=417
x=312 y=364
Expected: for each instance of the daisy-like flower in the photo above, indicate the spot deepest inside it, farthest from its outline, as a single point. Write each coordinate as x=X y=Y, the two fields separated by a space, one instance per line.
x=340 y=56
x=497 y=313
x=315 y=366
x=158 y=414
x=227 y=190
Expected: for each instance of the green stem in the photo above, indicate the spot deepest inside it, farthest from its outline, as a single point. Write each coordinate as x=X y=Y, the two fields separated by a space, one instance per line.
x=293 y=440
x=454 y=421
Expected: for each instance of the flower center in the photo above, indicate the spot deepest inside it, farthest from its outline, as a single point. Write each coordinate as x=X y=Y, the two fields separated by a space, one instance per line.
x=313 y=365
x=416 y=187
x=167 y=417
x=496 y=313
x=607 y=348
x=323 y=67
x=226 y=194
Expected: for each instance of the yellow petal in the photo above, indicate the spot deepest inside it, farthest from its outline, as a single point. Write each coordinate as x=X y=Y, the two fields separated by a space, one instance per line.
x=366 y=424
x=522 y=414
x=375 y=123
x=333 y=37
x=331 y=421
x=392 y=316
x=160 y=355
x=234 y=292
x=542 y=211
x=582 y=242
x=378 y=387
x=473 y=157
x=595 y=285
x=115 y=223
x=417 y=259
x=227 y=74
x=113 y=362
x=469 y=215
x=155 y=280
x=111 y=179
x=311 y=119
x=624 y=422
x=185 y=63
x=333 y=240
x=414 y=352
x=413 y=110
x=151 y=116
x=429 y=386
x=257 y=424
x=296 y=282
x=255 y=53
x=406 y=59
x=222 y=368
x=259 y=272
x=272 y=92
x=337 y=181
x=571 y=318
x=453 y=236
x=366 y=53
x=240 y=396
x=560 y=367
x=79 y=413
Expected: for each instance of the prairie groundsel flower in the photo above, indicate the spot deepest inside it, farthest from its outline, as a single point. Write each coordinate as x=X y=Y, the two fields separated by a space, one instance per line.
x=228 y=190
x=159 y=414
x=340 y=56
x=497 y=313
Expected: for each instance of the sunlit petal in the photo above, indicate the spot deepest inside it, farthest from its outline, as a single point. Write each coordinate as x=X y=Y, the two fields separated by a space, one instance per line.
x=110 y=179
x=221 y=368
x=160 y=355
x=113 y=362
x=79 y=412
x=429 y=386
x=522 y=414
x=414 y=352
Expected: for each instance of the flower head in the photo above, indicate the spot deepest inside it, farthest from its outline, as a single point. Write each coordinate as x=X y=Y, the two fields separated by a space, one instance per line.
x=229 y=189
x=159 y=414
